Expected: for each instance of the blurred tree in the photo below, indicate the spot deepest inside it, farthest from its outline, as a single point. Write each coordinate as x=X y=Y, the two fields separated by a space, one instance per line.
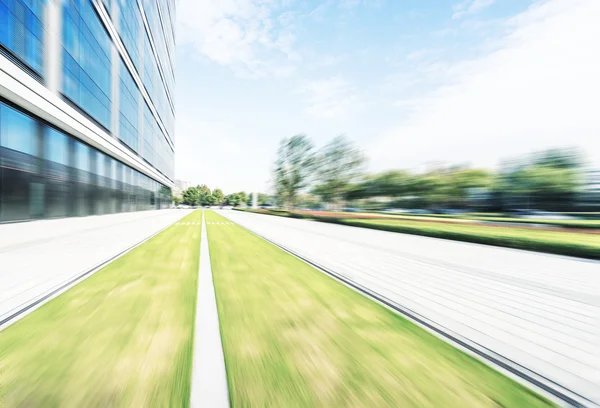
x=307 y=201
x=394 y=183
x=176 y=199
x=293 y=167
x=191 y=196
x=234 y=199
x=264 y=199
x=219 y=196
x=203 y=192
x=549 y=179
x=210 y=200
x=569 y=158
x=339 y=165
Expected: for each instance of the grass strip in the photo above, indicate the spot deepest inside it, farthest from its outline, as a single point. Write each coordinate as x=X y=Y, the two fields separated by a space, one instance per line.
x=566 y=242
x=581 y=223
x=121 y=338
x=294 y=337
x=555 y=242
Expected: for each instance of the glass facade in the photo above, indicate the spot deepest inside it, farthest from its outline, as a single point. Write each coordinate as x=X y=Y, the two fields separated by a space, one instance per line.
x=86 y=60
x=129 y=96
x=119 y=73
x=45 y=173
x=22 y=31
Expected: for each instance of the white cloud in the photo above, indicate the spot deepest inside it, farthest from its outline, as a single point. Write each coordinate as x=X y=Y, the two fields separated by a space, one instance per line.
x=538 y=88
x=332 y=97
x=318 y=12
x=470 y=7
x=251 y=36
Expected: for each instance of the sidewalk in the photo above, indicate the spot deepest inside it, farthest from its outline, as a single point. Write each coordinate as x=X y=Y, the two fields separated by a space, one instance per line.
x=37 y=256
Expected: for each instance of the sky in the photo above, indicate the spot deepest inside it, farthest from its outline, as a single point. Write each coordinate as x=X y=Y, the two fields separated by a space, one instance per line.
x=410 y=82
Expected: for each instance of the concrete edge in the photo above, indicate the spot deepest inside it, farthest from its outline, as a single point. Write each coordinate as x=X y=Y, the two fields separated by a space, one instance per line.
x=209 y=387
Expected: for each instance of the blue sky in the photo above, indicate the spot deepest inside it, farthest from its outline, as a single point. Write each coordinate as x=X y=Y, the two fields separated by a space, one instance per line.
x=411 y=82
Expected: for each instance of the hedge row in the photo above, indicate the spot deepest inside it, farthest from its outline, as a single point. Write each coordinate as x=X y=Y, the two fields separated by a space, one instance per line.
x=554 y=242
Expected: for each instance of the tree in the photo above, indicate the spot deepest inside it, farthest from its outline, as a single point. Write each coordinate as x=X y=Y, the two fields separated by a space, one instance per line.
x=191 y=196
x=339 y=164
x=243 y=197
x=233 y=199
x=293 y=167
x=176 y=199
x=261 y=199
x=549 y=179
x=236 y=199
x=204 y=192
x=219 y=196
x=210 y=200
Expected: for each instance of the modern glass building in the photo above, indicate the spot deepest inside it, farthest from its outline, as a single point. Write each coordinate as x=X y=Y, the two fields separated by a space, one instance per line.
x=86 y=107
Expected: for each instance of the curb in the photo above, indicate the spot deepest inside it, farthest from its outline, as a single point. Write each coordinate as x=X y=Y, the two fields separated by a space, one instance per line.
x=209 y=378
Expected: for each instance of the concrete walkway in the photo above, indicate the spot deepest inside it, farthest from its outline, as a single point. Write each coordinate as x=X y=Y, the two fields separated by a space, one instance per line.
x=540 y=312
x=209 y=380
x=39 y=256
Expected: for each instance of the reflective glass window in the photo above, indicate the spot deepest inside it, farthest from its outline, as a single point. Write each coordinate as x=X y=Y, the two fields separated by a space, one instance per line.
x=129 y=96
x=82 y=156
x=100 y=164
x=56 y=147
x=21 y=30
x=130 y=22
x=149 y=132
x=86 y=60
x=56 y=172
x=149 y=67
x=21 y=193
x=19 y=131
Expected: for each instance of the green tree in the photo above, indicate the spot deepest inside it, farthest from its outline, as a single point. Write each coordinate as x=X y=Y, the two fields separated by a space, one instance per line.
x=243 y=197
x=210 y=200
x=219 y=196
x=293 y=167
x=549 y=179
x=176 y=199
x=191 y=196
x=340 y=164
x=204 y=192
x=235 y=199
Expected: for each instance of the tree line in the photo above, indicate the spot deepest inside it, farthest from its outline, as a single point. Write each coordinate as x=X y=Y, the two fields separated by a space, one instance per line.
x=552 y=179
x=201 y=195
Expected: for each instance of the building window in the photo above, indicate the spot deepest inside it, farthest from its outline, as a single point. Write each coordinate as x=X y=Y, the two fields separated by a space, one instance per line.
x=149 y=132
x=149 y=67
x=21 y=31
x=56 y=147
x=19 y=132
x=82 y=157
x=86 y=60
x=129 y=96
x=56 y=173
x=21 y=194
x=129 y=29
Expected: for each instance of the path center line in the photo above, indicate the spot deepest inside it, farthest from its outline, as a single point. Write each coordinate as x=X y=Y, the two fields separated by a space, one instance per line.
x=209 y=380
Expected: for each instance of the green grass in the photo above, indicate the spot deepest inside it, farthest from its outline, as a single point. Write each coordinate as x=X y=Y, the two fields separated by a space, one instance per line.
x=556 y=242
x=584 y=245
x=121 y=338
x=294 y=337
x=585 y=223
